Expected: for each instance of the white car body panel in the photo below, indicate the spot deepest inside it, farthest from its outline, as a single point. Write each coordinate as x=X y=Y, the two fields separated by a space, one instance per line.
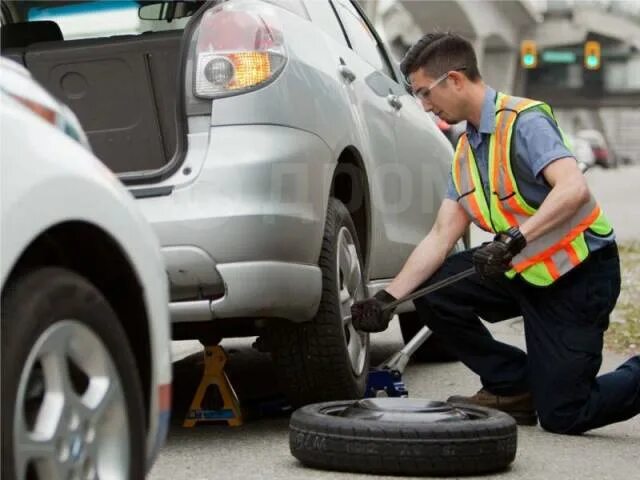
x=48 y=179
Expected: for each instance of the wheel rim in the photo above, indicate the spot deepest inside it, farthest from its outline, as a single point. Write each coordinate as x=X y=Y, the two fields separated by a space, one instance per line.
x=70 y=419
x=351 y=288
x=404 y=410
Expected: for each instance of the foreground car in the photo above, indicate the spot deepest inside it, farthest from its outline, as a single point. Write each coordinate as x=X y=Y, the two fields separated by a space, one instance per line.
x=85 y=331
x=274 y=149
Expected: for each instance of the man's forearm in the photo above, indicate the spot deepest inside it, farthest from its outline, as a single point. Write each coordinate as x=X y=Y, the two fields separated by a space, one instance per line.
x=421 y=264
x=561 y=203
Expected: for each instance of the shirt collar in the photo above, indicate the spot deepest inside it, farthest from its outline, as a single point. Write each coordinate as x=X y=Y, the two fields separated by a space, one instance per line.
x=488 y=114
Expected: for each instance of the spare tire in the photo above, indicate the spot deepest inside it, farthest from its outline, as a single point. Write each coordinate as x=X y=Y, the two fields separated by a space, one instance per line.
x=402 y=436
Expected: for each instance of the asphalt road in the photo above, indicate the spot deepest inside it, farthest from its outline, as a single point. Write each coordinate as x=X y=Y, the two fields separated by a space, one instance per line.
x=259 y=449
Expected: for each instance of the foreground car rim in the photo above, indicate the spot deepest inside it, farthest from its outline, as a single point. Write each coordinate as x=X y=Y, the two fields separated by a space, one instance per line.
x=350 y=289
x=70 y=420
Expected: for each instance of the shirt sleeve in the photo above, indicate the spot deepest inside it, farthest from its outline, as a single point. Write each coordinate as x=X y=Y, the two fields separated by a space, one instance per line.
x=539 y=141
x=452 y=193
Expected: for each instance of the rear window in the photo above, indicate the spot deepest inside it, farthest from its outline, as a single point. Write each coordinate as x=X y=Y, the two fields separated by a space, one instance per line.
x=101 y=19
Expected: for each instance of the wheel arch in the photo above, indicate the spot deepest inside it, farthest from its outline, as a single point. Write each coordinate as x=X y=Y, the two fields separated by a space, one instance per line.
x=350 y=185
x=91 y=252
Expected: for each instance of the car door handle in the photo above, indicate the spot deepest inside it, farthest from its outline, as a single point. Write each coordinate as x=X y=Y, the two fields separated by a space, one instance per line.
x=394 y=101
x=347 y=73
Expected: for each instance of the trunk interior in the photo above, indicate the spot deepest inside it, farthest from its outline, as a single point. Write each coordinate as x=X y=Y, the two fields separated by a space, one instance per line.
x=123 y=89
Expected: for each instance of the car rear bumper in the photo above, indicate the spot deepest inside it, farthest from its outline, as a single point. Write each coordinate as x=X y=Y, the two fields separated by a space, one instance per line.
x=257 y=200
x=258 y=290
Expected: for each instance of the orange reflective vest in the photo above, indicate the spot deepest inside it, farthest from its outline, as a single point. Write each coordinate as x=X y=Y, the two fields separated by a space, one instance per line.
x=547 y=258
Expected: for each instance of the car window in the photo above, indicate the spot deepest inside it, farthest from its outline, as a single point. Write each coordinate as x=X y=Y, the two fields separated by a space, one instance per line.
x=294 y=6
x=323 y=16
x=361 y=37
x=100 y=18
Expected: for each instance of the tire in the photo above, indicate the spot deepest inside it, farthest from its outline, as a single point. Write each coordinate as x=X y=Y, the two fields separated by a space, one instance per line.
x=433 y=349
x=53 y=314
x=312 y=359
x=357 y=437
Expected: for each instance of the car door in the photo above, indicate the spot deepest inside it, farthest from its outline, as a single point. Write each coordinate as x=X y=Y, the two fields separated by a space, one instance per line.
x=407 y=186
x=371 y=80
x=424 y=154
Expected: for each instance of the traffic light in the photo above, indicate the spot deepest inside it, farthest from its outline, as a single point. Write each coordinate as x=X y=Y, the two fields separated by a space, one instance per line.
x=528 y=54
x=592 y=55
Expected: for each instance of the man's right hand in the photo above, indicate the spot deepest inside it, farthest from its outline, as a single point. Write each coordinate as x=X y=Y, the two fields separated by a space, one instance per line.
x=369 y=315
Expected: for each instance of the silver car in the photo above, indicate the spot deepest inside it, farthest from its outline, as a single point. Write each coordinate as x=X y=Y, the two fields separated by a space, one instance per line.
x=285 y=169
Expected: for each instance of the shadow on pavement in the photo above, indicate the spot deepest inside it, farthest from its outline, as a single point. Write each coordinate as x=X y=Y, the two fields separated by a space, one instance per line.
x=253 y=377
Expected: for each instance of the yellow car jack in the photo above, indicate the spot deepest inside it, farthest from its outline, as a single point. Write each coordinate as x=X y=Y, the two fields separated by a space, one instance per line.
x=202 y=408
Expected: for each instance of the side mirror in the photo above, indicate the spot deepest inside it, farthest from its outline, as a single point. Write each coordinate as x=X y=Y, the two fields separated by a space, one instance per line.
x=151 y=11
x=167 y=10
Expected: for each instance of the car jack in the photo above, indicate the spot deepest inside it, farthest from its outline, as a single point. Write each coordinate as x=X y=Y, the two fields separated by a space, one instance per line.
x=215 y=399
x=385 y=380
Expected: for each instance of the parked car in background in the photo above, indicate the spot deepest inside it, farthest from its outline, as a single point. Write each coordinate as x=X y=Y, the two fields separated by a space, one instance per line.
x=604 y=156
x=274 y=149
x=85 y=346
x=581 y=148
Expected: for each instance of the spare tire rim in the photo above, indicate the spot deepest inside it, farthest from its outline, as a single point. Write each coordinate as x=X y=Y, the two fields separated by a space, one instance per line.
x=70 y=419
x=404 y=410
x=350 y=288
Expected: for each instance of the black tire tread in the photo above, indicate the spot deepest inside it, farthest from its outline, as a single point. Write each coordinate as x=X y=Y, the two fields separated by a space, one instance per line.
x=310 y=357
x=401 y=448
x=38 y=299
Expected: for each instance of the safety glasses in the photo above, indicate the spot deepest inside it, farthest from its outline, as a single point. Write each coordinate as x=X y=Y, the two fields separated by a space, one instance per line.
x=424 y=92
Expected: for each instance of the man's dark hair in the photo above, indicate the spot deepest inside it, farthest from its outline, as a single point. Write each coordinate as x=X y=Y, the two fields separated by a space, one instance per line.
x=439 y=53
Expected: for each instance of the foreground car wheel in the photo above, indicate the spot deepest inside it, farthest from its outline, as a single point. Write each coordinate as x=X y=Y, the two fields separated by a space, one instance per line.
x=327 y=359
x=71 y=399
x=402 y=436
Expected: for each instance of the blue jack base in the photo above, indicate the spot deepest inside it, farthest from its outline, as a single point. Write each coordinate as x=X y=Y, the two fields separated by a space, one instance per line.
x=385 y=383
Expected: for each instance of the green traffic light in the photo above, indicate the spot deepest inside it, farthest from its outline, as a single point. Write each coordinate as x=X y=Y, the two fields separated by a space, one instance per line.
x=528 y=59
x=592 y=61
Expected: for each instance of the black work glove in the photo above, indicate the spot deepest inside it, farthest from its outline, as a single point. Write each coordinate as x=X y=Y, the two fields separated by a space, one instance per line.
x=494 y=258
x=367 y=315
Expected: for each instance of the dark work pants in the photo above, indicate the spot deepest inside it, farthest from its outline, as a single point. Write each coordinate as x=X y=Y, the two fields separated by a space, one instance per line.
x=564 y=325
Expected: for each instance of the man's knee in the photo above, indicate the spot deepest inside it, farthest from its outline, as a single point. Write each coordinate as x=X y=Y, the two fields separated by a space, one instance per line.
x=558 y=421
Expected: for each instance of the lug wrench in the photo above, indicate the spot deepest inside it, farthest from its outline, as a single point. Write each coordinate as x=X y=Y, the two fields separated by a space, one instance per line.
x=388 y=374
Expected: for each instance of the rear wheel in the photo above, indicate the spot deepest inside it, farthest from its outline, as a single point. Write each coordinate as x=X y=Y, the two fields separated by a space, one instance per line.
x=71 y=397
x=327 y=358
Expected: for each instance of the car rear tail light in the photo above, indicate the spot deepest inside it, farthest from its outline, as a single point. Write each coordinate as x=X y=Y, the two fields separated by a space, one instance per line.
x=239 y=48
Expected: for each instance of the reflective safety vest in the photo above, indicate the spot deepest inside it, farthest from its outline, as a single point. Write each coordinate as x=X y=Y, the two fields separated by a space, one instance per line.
x=548 y=257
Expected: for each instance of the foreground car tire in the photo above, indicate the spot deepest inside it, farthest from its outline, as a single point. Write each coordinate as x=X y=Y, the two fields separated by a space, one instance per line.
x=326 y=358
x=402 y=436
x=71 y=399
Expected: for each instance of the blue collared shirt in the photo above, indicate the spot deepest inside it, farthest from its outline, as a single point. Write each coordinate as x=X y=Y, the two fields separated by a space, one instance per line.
x=538 y=143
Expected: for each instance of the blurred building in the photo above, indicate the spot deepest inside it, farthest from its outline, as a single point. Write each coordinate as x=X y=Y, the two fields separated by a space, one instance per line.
x=606 y=99
x=494 y=27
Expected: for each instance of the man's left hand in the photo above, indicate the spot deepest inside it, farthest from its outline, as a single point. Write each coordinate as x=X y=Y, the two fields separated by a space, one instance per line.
x=494 y=258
